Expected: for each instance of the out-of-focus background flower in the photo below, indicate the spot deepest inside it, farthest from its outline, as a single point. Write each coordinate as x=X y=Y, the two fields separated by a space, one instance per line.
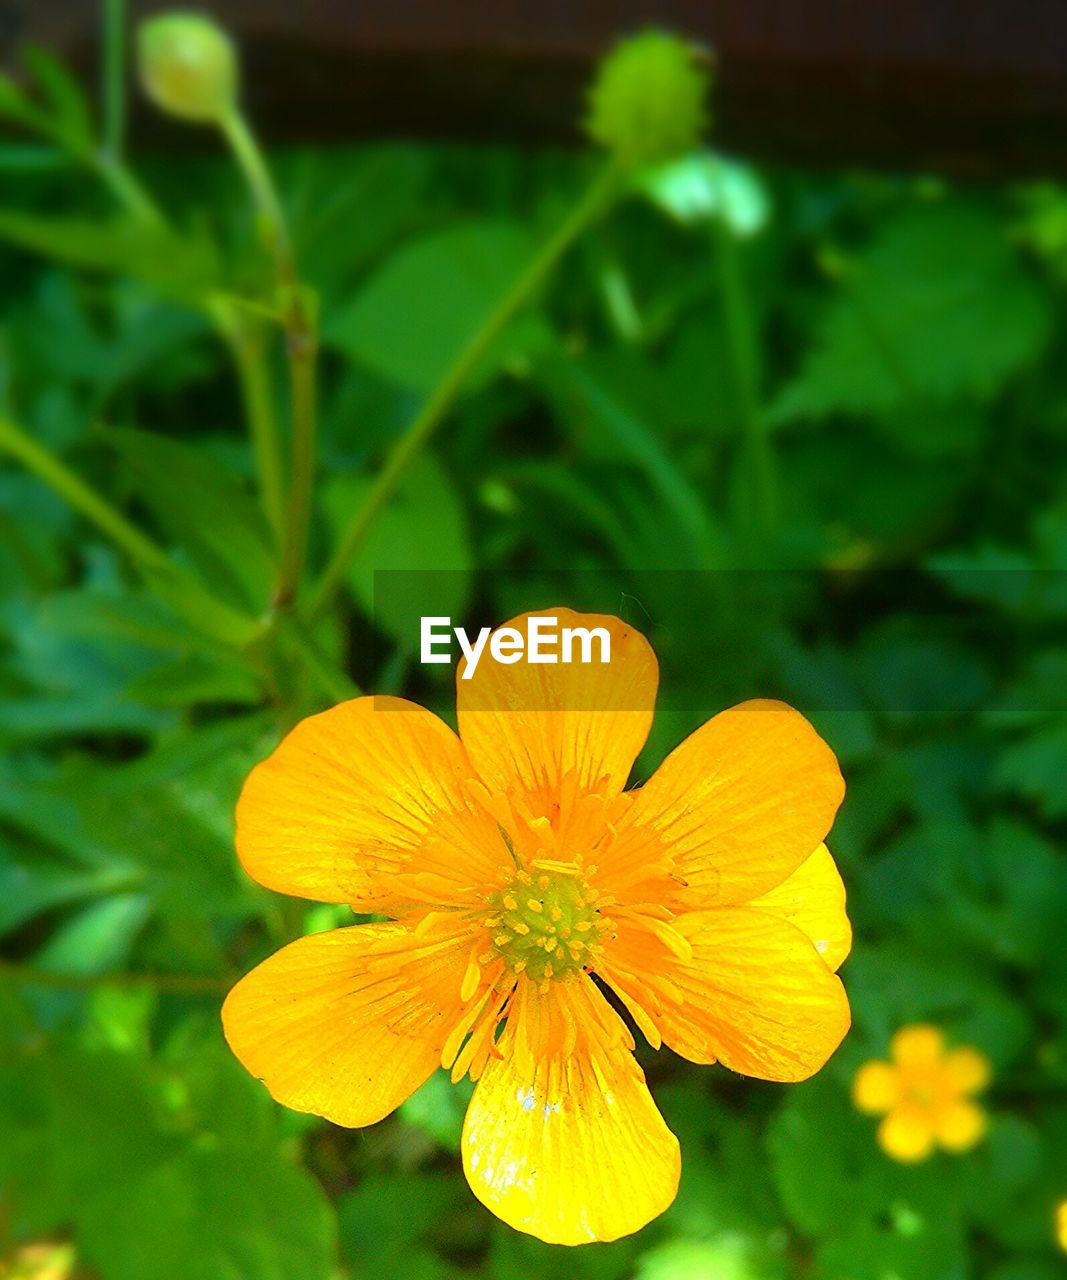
x=804 y=426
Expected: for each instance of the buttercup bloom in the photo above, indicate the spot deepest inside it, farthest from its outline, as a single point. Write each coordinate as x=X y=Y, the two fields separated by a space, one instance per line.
x=513 y=867
x=924 y=1094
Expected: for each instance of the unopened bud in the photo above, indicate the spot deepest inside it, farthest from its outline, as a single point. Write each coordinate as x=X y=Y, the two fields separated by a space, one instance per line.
x=188 y=66
x=647 y=102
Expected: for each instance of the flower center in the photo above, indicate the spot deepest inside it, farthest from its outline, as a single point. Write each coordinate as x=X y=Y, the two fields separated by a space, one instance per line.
x=545 y=923
x=922 y=1093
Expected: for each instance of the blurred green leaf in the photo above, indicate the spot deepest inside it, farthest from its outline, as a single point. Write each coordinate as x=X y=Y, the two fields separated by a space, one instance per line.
x=391 y=1217
x=457 y=277
x=63 y=96
x=152 y=1192
x=181 y=268
x=100 y=937
x=438 y=1109
x=421 y=536
x=932 y=1248
x=724 y=1259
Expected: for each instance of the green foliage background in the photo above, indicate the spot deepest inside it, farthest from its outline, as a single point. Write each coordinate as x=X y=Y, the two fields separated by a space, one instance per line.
x=836 y=402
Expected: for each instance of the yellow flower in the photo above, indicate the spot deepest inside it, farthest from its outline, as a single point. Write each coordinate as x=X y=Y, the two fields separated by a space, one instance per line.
x=1061 y=1225
x=513 y=868
x=924 y=1094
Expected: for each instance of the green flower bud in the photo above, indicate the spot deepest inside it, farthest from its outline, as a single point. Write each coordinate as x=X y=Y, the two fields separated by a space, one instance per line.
x=188 y=66
x=647 y=103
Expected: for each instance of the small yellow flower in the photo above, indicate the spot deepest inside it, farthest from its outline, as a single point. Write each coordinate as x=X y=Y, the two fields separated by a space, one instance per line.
x=513 y=867
x=1061 y=1225
x=924 y=1094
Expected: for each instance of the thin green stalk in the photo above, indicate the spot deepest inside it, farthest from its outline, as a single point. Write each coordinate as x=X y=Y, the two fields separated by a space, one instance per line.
x=114 y=78
x=245 y=339
x=443 y=397
x=44 y=464
x=126 y=189
x=250 y=160
x=741 y=344
x=302 y=348
x=299 y=321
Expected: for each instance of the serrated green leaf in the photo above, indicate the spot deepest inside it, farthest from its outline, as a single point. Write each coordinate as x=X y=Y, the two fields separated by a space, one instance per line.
x=205 y=509
x=937 y=306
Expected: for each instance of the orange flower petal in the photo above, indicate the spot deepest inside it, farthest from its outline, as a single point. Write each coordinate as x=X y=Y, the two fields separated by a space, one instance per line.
x=347 y=1024
x=562 y=1139
x=339 y=809
x=967 y=1070
x=813 y=899
x=876 y=1087
x=740 y=804
x=906 y=1135
x=920 y=1046
x=757 y=997
x=533 y=724
x=960 y=1126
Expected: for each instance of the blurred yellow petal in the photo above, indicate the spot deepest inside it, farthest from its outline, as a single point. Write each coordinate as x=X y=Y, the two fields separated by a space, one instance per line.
x=967 y=1070
x=530 y=725
x=906 y=1134
x=563 y=1141
x=740 y=805
x=1061 y=1225
x=339 y=810
x=959 y=1126
x=876 y=1087
x=813 y=899
x=347 y=1024
x=917 y=1046
x=757 y=997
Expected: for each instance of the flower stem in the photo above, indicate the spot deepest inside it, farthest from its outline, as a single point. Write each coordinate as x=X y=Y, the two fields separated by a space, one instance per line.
x=591 y=204
x=45 y=465
x=245 y=339
x=251 y=163
x=301 y=343
x=114 y=78
x=300 y=322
